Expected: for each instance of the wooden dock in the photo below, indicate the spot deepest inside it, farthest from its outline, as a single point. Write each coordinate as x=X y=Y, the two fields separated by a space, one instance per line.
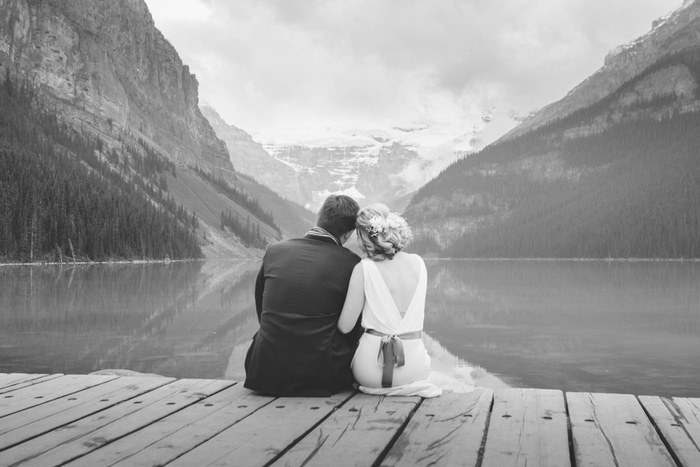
x=90 y=420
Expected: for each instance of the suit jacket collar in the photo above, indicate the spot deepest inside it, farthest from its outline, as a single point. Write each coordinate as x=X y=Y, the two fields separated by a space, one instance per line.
x=322 y=235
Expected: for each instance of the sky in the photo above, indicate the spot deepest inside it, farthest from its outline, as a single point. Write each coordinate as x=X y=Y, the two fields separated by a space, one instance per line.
x=275 y=66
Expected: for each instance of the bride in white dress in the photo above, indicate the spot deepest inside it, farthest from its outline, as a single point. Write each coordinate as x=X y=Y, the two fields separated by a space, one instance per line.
x=388 y=287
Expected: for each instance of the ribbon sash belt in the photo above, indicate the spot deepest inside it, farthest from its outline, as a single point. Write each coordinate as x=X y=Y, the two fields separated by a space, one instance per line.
x=391 y=349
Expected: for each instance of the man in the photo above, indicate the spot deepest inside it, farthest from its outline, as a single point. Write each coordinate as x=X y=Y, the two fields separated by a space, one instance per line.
x=299 y=294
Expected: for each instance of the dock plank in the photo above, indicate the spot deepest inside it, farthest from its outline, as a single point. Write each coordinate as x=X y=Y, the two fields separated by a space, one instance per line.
x=26 y=381
x=359 y=433
x=35 y=421
x=10 y=379
x=88 y=420
x=445 y=431
x=678 y=419
x=527 y=427
x=176 y=434
x=48 y=390
x=613 y=430
x=260 y=437
x=85 y=435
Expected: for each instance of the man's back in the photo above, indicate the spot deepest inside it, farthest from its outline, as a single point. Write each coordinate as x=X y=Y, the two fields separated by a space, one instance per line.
x=299 y=294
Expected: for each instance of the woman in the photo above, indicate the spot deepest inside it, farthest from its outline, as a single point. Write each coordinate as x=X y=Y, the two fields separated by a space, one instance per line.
x=388 y=287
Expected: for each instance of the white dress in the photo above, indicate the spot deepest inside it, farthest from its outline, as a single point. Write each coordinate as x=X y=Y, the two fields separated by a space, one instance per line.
x=386 y=328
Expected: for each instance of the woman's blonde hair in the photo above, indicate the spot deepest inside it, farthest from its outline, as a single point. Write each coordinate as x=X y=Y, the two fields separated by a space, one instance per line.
x=381 y=233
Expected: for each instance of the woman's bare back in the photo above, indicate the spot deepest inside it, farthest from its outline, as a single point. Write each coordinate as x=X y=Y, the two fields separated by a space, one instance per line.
x=401 y=275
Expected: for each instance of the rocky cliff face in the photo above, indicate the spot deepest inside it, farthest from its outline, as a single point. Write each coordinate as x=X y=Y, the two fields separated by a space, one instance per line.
x=366 y=167
x=249 y=157
x=107 y=68
x=677 y=32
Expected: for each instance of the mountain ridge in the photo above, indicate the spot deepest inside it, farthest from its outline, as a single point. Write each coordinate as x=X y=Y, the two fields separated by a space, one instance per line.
x=622 y=64
x=613 y=178
x=110 y=76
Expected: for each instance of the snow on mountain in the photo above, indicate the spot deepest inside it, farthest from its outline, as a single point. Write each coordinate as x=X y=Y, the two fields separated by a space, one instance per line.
x=380 y=164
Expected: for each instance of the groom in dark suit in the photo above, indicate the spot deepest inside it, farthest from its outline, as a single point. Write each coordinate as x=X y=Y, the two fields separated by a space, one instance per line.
x=299 y=294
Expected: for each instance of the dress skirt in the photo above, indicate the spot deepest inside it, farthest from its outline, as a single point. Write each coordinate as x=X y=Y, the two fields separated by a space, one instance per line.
x=367 y=364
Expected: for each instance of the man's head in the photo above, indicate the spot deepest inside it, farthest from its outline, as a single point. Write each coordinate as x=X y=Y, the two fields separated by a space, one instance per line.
x=338 y=214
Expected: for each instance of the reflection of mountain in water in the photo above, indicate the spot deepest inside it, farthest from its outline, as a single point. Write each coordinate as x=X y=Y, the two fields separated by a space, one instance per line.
x=177 y=319
x=197 y=340
x=454 y=373
x=608 y=326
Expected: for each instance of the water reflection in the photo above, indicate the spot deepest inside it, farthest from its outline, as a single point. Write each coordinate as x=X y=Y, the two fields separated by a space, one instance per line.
x=631 y=327
x=177 y=319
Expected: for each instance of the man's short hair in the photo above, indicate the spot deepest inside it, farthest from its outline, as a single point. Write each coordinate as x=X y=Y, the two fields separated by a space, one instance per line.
x=338 y=214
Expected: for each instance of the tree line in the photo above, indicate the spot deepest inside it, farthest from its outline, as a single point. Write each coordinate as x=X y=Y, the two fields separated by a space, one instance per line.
x=637 y=196
x=64 y=196
x=239 y=197
x=248 y=232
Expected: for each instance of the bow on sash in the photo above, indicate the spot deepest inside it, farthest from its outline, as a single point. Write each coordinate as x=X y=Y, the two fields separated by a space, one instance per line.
x=391 y=353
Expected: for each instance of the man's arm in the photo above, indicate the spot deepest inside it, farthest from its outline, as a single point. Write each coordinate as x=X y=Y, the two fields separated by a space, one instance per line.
x=259 y=287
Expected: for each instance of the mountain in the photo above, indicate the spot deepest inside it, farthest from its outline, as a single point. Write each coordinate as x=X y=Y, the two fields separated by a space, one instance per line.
x=384 y=165
x=381 y=164
x=111 y=82
x=610 y=170
x=249 y=157
x=670 y=35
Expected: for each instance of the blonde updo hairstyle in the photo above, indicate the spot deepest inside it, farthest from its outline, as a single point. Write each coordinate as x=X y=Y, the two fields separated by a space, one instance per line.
x=381 y=233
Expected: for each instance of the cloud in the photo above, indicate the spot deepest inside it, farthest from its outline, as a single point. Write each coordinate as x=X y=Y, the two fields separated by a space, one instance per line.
x=272 y=64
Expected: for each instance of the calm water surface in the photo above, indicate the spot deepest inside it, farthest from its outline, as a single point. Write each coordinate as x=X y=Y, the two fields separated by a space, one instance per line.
x=630 y=327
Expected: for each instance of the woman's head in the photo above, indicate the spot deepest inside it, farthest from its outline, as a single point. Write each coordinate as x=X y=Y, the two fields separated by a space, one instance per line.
x=381 y=233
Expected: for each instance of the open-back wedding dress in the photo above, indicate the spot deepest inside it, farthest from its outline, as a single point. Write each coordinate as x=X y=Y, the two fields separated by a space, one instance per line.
x=391 y=358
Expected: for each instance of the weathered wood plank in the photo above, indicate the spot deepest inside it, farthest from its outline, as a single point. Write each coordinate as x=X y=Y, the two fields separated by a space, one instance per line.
x=176 y=434
x=10 y=379
x=27 y=381
x=357 y=434
x=678 y=419
x=48 y=390
x=445 y=431
x=260 y=437
x=85 y=435
x=41 y=419
x=527 y=427
x=613 y=430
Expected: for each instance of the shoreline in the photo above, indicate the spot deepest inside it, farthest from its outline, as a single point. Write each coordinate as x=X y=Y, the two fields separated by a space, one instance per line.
x=426 y=258
x=124 y=261
x=607 y=260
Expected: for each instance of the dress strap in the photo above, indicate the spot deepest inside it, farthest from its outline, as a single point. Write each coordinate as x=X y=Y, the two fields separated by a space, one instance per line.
x=391 y=349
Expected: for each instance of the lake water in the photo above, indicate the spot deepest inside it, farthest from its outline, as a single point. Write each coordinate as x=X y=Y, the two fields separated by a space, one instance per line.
x=602 y=326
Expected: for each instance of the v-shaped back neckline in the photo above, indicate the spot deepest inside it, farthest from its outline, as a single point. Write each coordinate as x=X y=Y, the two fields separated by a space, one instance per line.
x=388 y=292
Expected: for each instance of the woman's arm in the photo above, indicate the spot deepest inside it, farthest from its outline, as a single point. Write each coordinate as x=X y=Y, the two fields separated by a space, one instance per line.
x=354 y=300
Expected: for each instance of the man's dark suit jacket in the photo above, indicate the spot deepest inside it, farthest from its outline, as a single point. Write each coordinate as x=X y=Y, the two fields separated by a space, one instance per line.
x=299 y=294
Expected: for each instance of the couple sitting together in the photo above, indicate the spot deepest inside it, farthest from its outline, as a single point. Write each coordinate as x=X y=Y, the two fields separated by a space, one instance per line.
x=329 y=319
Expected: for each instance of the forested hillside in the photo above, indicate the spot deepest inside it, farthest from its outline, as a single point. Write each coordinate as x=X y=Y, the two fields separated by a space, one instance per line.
x=637 y=195
x=99 y=103
x=65 y=196
x=619 y=178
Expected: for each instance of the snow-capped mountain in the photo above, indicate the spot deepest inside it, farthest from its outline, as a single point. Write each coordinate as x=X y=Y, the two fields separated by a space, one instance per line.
x=370 y=165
